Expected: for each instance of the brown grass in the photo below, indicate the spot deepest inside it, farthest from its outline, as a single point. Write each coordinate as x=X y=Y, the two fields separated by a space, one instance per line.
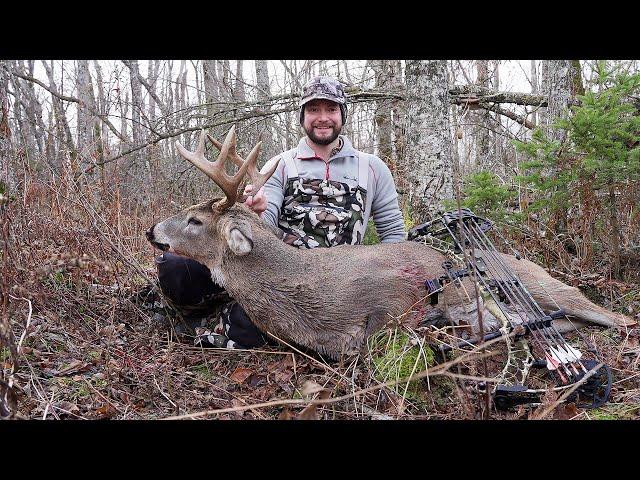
x=85 y=347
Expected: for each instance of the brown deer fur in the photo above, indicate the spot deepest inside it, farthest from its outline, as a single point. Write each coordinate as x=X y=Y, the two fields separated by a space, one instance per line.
x=332 y=299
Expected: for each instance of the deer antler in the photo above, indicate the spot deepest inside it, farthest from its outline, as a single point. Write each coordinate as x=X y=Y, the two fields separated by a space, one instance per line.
x=257 y=179
x=215 y=170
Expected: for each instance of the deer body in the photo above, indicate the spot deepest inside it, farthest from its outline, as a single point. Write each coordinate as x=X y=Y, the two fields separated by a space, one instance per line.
x=332 y=299
x=326 y=299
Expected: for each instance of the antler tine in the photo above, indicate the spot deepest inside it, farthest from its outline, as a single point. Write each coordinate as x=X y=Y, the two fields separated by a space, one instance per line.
x=197 y=158
x=215 y=170
x=257 y=179
x=237 y=159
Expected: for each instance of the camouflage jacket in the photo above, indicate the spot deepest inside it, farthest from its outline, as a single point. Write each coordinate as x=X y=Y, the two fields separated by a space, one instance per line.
x=344 y=167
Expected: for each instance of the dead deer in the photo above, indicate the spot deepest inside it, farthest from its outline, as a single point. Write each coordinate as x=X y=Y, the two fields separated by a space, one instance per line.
x=327 y=299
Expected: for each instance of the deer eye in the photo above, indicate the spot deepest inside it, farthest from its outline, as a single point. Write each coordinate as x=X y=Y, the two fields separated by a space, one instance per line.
x=194 y=221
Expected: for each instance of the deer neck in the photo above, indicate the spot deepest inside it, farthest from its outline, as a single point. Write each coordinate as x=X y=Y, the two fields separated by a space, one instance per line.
x=269 y=264
x=274 y=286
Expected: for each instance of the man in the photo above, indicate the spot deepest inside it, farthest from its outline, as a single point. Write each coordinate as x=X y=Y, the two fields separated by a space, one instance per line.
x=321 y=194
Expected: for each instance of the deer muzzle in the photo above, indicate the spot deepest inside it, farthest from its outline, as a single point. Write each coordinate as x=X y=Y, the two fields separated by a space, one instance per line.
x=150 y=236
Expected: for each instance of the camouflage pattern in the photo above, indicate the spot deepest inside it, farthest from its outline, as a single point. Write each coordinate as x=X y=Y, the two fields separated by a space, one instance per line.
x=322 y=213
x=324 y=88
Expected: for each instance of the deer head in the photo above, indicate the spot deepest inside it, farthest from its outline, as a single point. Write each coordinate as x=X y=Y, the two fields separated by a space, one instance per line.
x=204 y=231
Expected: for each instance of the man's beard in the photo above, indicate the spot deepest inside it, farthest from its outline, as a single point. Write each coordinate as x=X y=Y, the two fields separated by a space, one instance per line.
x=323 y=141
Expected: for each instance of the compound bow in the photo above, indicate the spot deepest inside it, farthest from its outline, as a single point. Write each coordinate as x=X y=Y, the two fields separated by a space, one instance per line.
x=507 y=299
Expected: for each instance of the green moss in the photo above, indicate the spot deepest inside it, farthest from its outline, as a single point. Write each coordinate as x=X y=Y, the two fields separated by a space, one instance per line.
x=203 y=371
x=615 y=412
x=601 y=415
x=73 y=389
x=5 y=354
x=395 y=357
x=94 y=354
x=58 y=280
x=370 y=234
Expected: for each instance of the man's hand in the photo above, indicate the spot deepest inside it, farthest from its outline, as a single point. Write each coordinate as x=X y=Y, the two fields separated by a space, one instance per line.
x=257 y=202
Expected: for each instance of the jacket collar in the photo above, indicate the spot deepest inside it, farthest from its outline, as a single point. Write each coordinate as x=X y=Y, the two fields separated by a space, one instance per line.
x=305 y=152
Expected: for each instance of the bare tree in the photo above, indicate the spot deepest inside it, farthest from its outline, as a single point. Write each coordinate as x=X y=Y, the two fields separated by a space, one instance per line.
x=102 y=108
x=264 y=92
x=558 y=78
x=62 y=125
x=238 y=88
x=482 y=117
x=383 y=117
x=428 y=151
x=534 y=88
x=136 y=106
x=210 y=85
x=7 y=174
x=86 y=144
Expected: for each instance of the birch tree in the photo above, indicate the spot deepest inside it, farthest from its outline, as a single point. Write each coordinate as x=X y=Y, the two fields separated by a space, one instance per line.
x=428 y=150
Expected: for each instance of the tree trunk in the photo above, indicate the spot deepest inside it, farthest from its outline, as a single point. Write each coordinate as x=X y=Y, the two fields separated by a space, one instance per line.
x=398 y=110
x=498 y=139
x=482 y=118
x=615 y=233
x=182 y=81
x=266 y=126
x=559 y=89
x=382 y=118
x=534 y=89
x=62 y=125
x=103 y=109
x=86 y=146
x=238 y=88
x=224 y=77
x=428 y=151
x=136 y=107
x=34 y=111
x=210 y=86
x=7 y=173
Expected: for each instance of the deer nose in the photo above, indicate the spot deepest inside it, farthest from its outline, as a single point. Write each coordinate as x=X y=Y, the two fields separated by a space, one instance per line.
x=149 y=233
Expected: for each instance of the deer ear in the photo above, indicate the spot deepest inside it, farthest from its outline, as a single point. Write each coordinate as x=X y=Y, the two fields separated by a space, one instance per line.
x=239 y=239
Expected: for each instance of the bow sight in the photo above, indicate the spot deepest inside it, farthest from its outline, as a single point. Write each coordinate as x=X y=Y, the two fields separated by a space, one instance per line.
x=462 y=236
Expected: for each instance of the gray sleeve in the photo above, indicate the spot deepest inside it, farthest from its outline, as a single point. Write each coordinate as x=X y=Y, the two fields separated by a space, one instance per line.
x=274 y=190
x=385 y=211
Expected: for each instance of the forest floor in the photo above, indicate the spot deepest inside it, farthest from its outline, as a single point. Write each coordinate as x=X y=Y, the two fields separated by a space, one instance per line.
x=87 y=347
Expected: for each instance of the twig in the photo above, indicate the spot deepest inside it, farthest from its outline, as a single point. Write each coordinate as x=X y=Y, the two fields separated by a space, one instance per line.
x=438 y=370
x=569 y=391
x=165 y=395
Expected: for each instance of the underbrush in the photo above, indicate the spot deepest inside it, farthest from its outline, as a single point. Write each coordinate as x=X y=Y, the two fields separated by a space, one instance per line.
x=83 y=344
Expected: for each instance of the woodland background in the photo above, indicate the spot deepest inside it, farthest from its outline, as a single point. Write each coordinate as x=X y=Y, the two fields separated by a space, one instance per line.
x=548 y=149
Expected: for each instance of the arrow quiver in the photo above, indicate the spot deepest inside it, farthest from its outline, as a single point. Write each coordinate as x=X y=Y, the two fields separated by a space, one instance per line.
x=530 y=334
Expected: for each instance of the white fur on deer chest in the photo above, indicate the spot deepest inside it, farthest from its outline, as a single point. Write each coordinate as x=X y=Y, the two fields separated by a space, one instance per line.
x=217 y=277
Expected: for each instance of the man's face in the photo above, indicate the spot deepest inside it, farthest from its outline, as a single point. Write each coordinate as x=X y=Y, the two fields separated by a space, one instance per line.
x=322 y=121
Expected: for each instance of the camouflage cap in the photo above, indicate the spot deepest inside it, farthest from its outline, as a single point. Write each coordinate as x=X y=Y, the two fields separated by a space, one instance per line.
x=324 y=88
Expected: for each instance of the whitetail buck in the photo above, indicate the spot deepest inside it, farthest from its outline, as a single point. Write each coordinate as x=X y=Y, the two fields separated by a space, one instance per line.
x=326 y=299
